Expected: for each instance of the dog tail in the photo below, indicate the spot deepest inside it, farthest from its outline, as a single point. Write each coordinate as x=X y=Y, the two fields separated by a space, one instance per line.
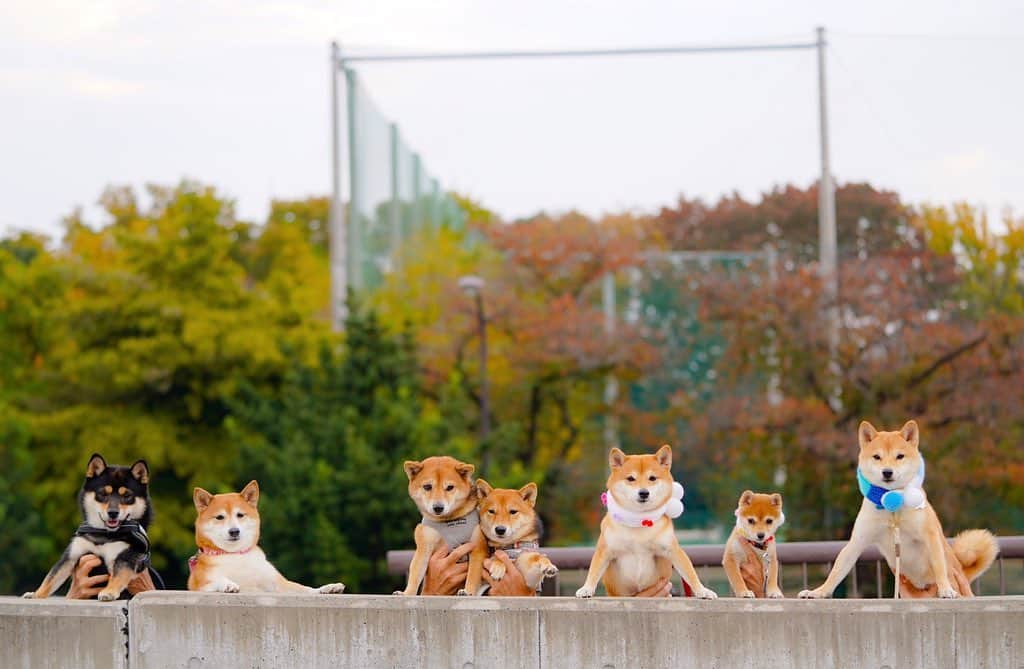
x=976 y=550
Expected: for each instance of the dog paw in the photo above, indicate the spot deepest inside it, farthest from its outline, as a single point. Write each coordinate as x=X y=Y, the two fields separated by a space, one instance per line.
x=550 y=571
x=497 y=571
x=948 y=593
x=707 y=593
x=812 y=594
x=775 y=594
x=107 y=596
x=585 y=592
x=229 y=586
x=400 y=593
x=331 y=589
x=747 y=594
x=29 y=595
x=462 y=593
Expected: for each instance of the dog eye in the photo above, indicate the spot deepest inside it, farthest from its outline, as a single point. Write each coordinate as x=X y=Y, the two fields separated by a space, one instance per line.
x=449 y=487
x=653 y=478
x=240 y=515
x=513 y=511
x=219 y=516
x=876 y=456
x=631 y=478
x=769 y=521
x=899 y=456
x=128 y=499
x=100 y=497
x=490 y=511
x=750 y=520
x=428 y=487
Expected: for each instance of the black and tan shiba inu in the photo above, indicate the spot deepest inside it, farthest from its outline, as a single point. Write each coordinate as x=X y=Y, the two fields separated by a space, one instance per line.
x=116 y=511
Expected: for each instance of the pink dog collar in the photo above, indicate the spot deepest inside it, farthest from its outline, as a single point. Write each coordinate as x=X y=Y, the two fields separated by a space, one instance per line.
x=212 y=551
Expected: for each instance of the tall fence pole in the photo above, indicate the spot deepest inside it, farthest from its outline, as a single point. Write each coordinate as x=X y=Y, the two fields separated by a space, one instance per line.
x=827 y=245
x=336 y=217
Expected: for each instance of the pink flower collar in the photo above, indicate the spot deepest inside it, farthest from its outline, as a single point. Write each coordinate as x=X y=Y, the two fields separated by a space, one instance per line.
x=673 y=508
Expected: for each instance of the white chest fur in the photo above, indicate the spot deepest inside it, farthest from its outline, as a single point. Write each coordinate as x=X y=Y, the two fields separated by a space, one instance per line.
x=251 y=571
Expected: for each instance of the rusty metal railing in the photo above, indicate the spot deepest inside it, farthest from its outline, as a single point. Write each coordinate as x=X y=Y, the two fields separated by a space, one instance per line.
x=800 y=553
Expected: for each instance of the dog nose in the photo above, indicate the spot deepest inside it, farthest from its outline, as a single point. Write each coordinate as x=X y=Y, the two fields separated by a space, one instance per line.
x=887 y=473
x=760 y=535
x=112 y=514
x=500 y=530
x=438 y=508
x=234 y=532
x=644 y=493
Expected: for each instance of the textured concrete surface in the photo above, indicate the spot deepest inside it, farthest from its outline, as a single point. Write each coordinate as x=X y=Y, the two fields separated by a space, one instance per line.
x=56 y=633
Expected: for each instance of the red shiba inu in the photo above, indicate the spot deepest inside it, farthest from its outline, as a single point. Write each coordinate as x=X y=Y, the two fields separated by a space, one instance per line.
x=750 y=560
x=638 y=545
x=890 y=475
x=229 y=559
x=443 y=489
x=508 y=522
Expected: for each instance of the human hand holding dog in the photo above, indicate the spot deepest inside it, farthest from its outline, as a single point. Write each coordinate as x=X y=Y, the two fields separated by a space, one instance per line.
x=445 y=574
x=84 y=586
x=511 y=584
x=661 y=588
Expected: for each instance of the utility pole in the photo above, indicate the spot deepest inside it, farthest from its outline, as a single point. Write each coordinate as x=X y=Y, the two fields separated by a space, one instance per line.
x=336 y=221
x=827 y=245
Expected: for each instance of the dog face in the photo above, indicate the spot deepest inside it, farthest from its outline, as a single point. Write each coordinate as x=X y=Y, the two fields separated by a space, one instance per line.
x=889 y=459
x=229 y=522
x=641 y=482
x=759 y=515
x=113 y=494
x=507 y=516
x=440 y=485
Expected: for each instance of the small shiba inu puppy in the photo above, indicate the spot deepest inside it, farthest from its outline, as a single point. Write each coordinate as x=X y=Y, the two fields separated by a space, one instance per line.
x=508 y=522
x=751 y=562
x=229 y=559
x=443 y=490
x=114 y=502
x=891 y=470
x=638 y=545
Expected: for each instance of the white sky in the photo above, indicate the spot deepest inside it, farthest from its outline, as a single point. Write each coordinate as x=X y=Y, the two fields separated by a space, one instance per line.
x=235 y=93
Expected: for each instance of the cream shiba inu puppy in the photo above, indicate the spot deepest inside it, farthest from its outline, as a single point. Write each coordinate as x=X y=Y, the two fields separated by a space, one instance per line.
x=229 y=559
x=638 y=545
x=445 y=494
x=508 y=522
x=890 y=474
x=750 y=560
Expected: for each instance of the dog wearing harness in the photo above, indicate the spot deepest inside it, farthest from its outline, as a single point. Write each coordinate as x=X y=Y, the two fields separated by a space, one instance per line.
x=896 y=516
x=750 y=559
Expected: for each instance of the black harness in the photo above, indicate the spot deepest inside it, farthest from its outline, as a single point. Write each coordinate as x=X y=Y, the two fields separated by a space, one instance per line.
x=132 y=533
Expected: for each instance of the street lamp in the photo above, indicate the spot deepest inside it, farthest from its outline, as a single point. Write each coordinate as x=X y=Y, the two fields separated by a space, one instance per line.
x=473 y=286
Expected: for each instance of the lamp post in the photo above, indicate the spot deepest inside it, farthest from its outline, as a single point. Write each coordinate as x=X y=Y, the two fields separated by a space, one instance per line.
x=473 y=286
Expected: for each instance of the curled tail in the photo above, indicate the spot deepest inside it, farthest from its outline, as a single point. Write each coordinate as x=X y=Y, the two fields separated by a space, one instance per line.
x=976 y=550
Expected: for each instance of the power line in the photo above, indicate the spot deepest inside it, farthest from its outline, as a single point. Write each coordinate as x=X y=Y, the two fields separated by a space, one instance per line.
x=987 y=37
x=576 y=53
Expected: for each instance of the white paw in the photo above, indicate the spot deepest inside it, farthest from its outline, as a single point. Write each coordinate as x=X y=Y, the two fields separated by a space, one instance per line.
x=497 y=571
x=707 y=593
x=551 y=571
x=228 y=586
x=775 y=594
x=107 y=596
x=331 y=589
x=585 y=592
x=400 y=593
x=812 y=594
x=29 y=595
x=747 y=594
x=462 y=593
x=948 y=593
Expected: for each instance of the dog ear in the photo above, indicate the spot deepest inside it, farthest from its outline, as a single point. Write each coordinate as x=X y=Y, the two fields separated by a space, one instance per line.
x=529 y=493
x=412 y=468
x=866 y=432
x=747 y=497
x=910 y=433
x=97 y=465
x=664 y=456
x=483 y=488
x=616 y=458
x=465 y=470
x=251 y=492
x=201 y=499
x=776 y=499
x=140 y=470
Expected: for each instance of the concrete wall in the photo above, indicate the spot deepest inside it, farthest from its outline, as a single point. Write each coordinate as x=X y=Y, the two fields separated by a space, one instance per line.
x=57 y=634
x=177 y=629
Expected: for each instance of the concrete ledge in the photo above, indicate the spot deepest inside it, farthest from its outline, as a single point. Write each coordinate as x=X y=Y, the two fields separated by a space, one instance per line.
x=196 y=630
x=56 y=633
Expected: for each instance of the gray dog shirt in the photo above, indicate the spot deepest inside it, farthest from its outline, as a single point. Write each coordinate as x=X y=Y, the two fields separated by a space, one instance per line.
x=457 y=531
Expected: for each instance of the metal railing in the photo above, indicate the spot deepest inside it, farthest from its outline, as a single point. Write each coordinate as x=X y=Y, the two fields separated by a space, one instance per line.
x=800 y=553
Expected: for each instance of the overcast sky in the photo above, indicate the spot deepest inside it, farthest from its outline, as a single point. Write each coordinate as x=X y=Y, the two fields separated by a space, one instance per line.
x=925 y=98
